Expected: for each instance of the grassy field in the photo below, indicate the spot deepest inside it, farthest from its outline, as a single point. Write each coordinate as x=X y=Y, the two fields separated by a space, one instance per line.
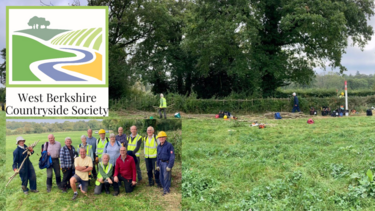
x=289 y=165
x=143 y=197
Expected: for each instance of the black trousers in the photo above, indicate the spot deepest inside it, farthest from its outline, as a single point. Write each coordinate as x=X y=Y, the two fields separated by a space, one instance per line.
x=150 y=166
x=162 y=109
x=56 y=168
x=67 y=174
x=128 y=184
x=99 y=188
x=93 y=171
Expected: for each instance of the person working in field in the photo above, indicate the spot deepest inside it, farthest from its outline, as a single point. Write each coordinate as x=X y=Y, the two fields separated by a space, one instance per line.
x=83 y=165
x=105 y=176
x=134 y=147
x=92 y=141
x=151 y=144
x=162 y=106
x=121 y=137
x=67 y=163
x=296 y=103
x=27 y=172
x=125 y=171
x=53 y=149
x=165 y=161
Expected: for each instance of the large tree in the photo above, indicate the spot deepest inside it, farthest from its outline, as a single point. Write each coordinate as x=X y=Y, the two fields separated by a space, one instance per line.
x=159 y=58
x=271 y=43
x=130 y=22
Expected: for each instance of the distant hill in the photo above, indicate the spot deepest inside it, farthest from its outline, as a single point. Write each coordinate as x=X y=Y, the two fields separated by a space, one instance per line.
x=44 y=34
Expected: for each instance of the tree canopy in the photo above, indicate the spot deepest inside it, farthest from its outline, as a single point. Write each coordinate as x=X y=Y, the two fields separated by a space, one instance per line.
x=253 y=47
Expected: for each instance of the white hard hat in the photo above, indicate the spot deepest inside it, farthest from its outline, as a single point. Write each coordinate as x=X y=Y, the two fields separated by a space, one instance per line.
x=294 y=93
x=19 y=138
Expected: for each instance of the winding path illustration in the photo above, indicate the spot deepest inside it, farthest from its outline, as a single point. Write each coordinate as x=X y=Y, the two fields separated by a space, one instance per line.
x=48 y=69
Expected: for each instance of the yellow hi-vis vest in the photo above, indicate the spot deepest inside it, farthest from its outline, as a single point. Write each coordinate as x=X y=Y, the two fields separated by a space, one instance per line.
x=87 y=149
x=150 y=148
x=105 y=169
x=133 y=145
x=164 y=103
x=100 y=147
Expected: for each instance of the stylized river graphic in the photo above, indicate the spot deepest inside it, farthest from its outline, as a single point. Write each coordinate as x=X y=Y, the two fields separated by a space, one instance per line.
x=48 y=67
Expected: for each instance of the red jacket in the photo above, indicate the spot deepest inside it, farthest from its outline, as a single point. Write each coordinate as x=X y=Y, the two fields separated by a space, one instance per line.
x=126 y=169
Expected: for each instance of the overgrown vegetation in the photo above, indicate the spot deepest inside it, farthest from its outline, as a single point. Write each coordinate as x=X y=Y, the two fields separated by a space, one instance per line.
x=289 y=165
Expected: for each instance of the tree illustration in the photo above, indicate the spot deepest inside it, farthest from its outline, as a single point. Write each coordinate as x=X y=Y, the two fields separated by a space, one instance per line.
x=47 y=23
x=33 y=22
x=36 y=22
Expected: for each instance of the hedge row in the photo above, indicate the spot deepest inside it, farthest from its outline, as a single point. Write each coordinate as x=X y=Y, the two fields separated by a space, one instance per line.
x=142 y=124
x=245 y=106
x=322 y=93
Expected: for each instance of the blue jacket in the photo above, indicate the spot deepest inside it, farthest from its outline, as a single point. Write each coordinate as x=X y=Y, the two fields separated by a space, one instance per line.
x=18 y=158
x=166 y=152
x=295 y=100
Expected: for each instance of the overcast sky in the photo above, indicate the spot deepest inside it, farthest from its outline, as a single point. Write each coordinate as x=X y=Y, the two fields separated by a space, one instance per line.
x=354 y=59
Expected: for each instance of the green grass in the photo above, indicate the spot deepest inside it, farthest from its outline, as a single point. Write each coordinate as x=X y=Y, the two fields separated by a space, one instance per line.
x=27 y=51
x=289 y=165
x=143 y=197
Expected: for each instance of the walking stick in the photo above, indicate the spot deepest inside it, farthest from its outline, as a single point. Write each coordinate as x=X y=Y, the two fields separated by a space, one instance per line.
x=17 y=171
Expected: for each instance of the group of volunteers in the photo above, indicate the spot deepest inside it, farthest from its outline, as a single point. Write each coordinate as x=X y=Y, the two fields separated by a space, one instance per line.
x=116 y=160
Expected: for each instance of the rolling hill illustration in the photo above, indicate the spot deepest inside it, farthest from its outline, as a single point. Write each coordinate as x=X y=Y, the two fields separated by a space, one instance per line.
x=56 y=54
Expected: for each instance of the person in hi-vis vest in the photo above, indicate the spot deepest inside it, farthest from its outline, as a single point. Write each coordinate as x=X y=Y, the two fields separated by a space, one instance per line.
x=102 y=141
x=105 y=177
x=151 y=144
x=163 y=106
x=134 y=147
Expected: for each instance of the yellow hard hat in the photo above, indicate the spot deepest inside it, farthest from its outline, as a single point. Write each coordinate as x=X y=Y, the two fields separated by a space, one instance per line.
x=101 y=131
x=162 y=134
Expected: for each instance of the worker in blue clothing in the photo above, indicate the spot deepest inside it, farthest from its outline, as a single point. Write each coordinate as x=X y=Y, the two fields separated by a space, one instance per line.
x=27 y=172
x=296 y=103
x=165 y=161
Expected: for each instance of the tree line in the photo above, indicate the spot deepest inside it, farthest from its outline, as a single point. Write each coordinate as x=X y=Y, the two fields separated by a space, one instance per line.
x=15 y=128
x=336 y=81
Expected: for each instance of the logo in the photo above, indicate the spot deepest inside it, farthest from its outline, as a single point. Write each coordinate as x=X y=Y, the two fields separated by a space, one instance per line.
x=57 y=63
x=57 y=46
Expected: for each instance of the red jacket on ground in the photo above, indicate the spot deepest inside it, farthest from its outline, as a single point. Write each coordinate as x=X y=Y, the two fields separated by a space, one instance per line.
x=126 y=169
